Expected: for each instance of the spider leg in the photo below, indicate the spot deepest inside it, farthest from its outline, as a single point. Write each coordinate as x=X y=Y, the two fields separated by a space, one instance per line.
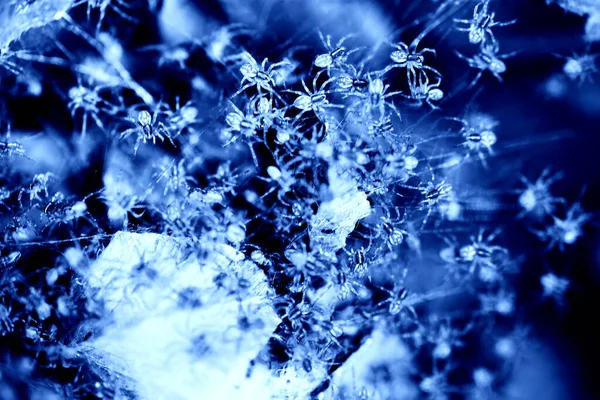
x=254 y=158
x=344 y=38
x=507 y=55
x=355 y=50
x=513 y=21
x=433 y=106
x=472 y=84
x=127 y=133
x=84 y=124
x=462 y=21
x=387 y=69
x=395 y=110
x=435 y=71
x=246 y=86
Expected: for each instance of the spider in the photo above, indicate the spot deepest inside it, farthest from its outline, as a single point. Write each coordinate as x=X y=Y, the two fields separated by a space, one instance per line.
x=176 y=174
x=89 y=101
x=374 y=102
x=425 y=92
x=565 y=231
x=284 y=179
x=147 y=128
x=183 y=118
x=536 y=197
x=6 y=321
x=71 y=213
x=477 y=130
x=352 y=81
x=221 y=39
x=359 y=261
x=433 y=194
x=394 y=236
x=487 y=59
x=14 y=68
x=315 y=100
x=248 y=328
x=580 y=67
x=407 y=57
x=241 y=125
x=444 y=336
x=267 y=115
x=11 y=148
x=481 y=24
x=304 y=264
x=344 y=286
x=501 y=301
x=176 y=55
x=483 y=256
x=399 y=163
x=335 y=56
x=119 y=198
x=118 y=6
x=401 y=299
x=39 y=185
x=256 y=75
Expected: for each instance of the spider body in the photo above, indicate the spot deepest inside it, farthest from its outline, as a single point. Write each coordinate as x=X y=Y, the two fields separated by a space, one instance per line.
x=147 y=127
x=373 y=103
x=407 y=57
x=480 y=26
x=336 y=56
x=259 y=76
x=487 y=59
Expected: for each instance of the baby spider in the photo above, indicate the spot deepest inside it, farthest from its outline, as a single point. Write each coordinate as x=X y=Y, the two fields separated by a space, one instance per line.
x=89 y=101
x=182 y=118
x=374 y=102
x=335 y=56
x=120 y=199
x=39 y=185
x=477 y=130
x=480 y=255
x=241 y=125
x=565 y=231
x=175 y=174
x=487 y=59
x=444 y=336
x=6 y=320
x=69 y=214
x=284 y=179
x=554 y=286
x=401 y=299
x=394 y=236
x=359 y=261
x=536 y=197
x=176 y=55
x=11 y=148
x=407 y=57
x=341 y=282
x=434 y=194
x=147 y=128
x=315 y=100
x=351 y=81
x=425 y=92
x=118 y=6
x=580 y=67
x=259 y=76
x=481 y=24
